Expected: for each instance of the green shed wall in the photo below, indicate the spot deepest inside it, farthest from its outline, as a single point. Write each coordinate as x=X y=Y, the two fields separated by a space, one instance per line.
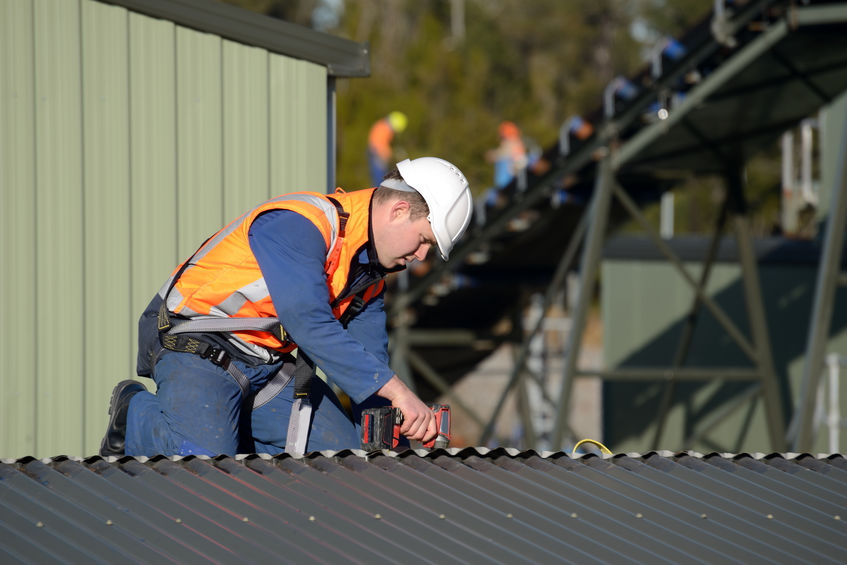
x=125 y=141
x=645 y=304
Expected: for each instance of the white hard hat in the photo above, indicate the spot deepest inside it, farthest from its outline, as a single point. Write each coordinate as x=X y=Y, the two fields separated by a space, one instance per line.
x=447 y=194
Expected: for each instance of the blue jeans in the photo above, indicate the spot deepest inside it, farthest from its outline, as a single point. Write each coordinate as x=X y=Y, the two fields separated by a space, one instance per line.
x=331 y=429
x=197 y=409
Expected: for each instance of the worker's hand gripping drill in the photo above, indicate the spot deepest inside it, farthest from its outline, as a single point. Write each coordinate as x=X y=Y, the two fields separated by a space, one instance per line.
x=381 y=427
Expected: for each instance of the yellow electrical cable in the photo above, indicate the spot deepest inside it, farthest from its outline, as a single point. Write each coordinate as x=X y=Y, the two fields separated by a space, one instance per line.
x=603 y=448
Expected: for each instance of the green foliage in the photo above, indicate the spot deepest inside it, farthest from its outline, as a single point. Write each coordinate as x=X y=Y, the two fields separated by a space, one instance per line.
x=534 y=62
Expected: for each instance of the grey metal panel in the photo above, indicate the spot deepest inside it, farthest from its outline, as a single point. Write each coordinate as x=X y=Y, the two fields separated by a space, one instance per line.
x=363 y=503
x=326 y=516
x=660 y=499
x=77 y=526
x=601 y=527
x=470 y=505
x=17 y=226
x=602 y=483
x=342 y=57
x=619 y=504
x=84 y=485
x=778 y=539
x=476 y=519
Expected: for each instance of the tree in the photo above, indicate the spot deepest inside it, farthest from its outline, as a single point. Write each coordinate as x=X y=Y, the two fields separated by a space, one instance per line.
x=533 y=62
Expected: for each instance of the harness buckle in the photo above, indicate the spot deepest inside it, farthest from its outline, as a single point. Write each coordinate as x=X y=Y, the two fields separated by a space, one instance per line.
x=217 y=356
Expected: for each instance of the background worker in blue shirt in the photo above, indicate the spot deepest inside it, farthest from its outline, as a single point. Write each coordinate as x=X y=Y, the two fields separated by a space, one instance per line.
x=313 y=266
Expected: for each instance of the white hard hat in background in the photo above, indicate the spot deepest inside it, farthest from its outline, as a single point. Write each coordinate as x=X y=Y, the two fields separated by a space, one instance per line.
x=447 y=194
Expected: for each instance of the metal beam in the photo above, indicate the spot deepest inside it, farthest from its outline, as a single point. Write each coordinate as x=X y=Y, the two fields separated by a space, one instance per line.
x=690 y=323
x=756 y=311
x=520 y=359
x=590 y=264
x=668 y=374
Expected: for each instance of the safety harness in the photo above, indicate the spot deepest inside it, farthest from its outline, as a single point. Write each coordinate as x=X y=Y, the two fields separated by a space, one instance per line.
x=181 y=334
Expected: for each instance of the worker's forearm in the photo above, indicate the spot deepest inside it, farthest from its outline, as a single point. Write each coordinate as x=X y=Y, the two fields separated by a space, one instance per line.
x=394 y=389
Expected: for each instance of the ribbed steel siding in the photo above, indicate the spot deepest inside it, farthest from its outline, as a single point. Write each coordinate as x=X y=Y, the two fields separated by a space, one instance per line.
x=17 y=226
x=124 y=142
x=469 y=506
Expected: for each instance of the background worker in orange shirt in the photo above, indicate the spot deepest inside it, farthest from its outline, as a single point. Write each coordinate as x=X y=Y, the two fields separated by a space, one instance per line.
x=381 y=135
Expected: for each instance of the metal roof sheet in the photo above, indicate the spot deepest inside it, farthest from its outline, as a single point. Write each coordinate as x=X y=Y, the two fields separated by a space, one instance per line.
x=341 y=57
x=465 y=506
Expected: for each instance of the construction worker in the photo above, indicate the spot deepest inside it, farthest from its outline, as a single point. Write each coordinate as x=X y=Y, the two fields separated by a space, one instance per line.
x=380 y=137
x=510 y=157
x=301 y=273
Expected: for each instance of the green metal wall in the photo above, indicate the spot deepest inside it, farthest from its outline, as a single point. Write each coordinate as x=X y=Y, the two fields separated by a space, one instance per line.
x=124 y=142
x=644 y=307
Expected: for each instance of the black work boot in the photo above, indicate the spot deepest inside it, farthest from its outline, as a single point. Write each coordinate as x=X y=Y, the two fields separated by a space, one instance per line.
x=115 y=438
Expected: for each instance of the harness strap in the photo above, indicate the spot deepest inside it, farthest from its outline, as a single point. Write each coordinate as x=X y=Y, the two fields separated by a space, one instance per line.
x=356 y=305
x=301 y=411
x=274 y=386
x=214 y=354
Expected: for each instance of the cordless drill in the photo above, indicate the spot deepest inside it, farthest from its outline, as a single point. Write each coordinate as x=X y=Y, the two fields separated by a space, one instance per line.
x=381 y=427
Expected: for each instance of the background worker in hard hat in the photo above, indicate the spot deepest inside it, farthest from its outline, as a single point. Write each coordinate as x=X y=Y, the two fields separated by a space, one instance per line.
x=510 y=156
x=300 y=262
x=380 y=138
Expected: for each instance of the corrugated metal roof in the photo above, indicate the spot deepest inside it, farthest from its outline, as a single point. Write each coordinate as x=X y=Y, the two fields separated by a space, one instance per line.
x=462 y=506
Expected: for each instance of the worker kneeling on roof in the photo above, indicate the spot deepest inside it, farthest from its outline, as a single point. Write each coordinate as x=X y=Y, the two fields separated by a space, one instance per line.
x=232 y=339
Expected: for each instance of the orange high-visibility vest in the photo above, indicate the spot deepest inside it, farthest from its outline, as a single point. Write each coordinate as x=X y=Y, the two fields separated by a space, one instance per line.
x=223 y=279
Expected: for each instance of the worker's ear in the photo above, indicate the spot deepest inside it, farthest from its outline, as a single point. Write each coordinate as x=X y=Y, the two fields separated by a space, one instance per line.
x=400 y=209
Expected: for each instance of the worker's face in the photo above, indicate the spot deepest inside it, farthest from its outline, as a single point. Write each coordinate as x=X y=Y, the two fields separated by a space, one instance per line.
x=403 y=240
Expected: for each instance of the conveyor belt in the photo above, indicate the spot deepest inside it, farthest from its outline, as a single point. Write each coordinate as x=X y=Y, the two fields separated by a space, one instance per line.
x=778 y=63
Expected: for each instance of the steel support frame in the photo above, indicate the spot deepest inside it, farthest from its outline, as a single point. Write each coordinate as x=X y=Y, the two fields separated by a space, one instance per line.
x=556 y=283
x=604 y=188
x=690 y=323
x=758 y=350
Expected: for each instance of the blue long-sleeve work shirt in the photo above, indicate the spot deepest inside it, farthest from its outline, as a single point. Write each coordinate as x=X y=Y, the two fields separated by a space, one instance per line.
x=291 y=253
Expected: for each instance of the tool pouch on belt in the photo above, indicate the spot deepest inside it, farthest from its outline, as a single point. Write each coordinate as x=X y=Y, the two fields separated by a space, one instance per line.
x=149 y=346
